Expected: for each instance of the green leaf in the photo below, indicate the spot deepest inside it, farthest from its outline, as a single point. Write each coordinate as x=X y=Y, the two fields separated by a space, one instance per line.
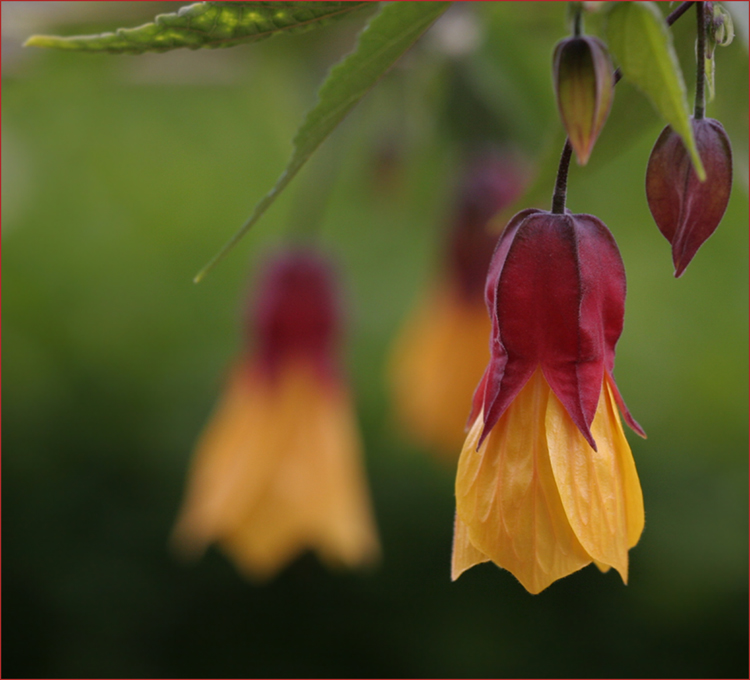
x=640 y=40
x=206 y=24
x=388 y=35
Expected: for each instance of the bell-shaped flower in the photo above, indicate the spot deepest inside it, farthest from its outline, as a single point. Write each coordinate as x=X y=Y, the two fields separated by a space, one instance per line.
x=442 y=350
x=278 y=470
x=686 y=210
x=584 y=86
x=546 y=482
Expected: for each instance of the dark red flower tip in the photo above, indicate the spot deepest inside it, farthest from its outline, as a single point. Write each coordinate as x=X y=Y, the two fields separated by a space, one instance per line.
x=491 y=182
x=556 y=296
x=686 y=210
x=297 y=312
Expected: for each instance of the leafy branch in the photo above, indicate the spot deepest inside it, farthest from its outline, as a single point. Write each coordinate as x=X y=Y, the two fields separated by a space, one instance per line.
x=390 y=33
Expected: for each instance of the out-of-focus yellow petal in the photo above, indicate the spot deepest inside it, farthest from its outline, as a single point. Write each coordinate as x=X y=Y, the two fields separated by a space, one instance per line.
x=507 y=496
x=224 y=480
x=301 y=460
x=465 y=555
x=436 y=364
x=599 y=489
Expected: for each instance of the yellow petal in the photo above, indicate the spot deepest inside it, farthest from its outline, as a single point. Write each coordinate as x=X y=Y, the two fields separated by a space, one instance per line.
x=436 y=364
x=465 y=555
x=599 y=489
x=634 y=513
x=223 y=479
x=300 y=462
x=507 y=496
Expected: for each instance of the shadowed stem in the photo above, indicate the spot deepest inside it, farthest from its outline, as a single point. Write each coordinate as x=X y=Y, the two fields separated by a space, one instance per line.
x=700 y=74
x=578 y=19
x=561 y=184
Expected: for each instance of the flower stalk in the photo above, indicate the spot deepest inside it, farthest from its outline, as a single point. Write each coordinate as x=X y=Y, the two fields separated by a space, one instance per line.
x=561 y=184
x=700 y=74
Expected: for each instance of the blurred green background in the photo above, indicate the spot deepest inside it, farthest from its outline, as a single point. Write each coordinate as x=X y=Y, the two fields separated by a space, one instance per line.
x=123 y=175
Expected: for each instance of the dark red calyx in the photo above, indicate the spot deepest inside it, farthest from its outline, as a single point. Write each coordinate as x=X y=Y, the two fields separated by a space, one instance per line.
x=556 y=296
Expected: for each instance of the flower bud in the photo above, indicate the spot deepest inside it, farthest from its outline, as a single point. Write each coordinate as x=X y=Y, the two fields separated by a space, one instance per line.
x=686 y=210
x=584 y=85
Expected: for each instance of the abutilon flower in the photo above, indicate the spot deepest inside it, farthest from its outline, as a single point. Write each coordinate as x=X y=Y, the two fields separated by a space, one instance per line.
x=442 y=350
x=278 y=469
x=584 y=85
x=546 y=482
x=686 y=210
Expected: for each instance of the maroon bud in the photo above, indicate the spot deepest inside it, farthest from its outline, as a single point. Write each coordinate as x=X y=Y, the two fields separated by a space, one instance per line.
x=297 y=312
x=686 y=210
x=584 y=85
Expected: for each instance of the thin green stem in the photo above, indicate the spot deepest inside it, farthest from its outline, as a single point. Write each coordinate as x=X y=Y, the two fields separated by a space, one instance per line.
x=577 y=19
x=700 y=73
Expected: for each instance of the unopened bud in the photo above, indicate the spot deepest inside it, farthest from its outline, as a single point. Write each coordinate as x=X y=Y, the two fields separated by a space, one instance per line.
x=584 y=85
x=686 y=210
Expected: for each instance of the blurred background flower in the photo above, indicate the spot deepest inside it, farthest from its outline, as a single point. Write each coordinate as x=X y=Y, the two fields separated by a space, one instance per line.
x=123 y=175
x=278 y=469
x=442 y=351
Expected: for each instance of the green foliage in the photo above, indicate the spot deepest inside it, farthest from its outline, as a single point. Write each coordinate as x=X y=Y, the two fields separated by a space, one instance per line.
x=393 y=31
x=640 y=40
x=206 y=24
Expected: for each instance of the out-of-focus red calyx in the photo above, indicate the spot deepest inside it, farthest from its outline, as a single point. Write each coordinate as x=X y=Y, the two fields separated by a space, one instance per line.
x=492 y=182
x=297 y=313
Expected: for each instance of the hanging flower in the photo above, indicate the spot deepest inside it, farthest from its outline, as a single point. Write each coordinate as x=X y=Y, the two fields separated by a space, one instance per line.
x=546 y=482
x=278 y=469
x=442 y=350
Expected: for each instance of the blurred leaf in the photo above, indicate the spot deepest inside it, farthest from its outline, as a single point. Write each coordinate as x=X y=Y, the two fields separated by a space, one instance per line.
x=206 y=24
x=390 y=33
x=640 y=40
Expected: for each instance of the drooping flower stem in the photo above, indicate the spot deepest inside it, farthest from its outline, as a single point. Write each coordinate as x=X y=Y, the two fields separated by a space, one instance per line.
x=577 y=19
x=700 y=72
x=561 y=184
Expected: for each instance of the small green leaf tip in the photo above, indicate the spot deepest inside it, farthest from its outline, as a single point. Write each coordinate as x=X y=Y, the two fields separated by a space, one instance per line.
x=389 y=34
x=206 y=25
